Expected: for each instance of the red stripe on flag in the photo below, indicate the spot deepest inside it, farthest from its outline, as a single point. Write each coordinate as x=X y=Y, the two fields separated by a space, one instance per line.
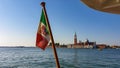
x=41 y=41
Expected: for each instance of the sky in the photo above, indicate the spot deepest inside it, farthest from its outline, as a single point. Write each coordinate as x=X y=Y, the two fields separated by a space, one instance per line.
x=19 y=20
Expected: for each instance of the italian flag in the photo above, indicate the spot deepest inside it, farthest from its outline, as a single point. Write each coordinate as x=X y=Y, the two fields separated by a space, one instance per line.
x=43 y=35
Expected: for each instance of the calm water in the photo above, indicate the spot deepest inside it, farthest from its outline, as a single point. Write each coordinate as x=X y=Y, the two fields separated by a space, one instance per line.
x=69 y=58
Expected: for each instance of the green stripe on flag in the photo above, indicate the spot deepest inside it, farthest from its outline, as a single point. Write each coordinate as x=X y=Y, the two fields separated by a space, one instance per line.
x=43 y=20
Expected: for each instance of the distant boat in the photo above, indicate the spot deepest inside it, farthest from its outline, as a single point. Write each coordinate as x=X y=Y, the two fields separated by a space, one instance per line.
x=100 y=49
x=117 y=48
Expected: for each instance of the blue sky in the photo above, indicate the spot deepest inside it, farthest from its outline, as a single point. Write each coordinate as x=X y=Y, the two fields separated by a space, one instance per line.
x=19 y=21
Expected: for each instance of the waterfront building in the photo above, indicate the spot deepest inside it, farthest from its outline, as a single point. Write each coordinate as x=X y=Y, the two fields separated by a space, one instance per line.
x=80 y=44
x=101 y=46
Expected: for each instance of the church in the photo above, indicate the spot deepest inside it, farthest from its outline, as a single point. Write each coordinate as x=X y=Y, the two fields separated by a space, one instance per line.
x=86 y=44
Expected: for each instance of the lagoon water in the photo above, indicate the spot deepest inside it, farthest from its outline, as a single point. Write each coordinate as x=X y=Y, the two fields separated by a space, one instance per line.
x=69 y=58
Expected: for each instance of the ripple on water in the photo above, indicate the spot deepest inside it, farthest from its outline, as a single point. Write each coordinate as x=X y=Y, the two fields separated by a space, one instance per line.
x=69 y=58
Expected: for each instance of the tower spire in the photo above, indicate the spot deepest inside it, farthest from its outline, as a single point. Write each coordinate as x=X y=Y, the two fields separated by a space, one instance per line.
x=75 y=38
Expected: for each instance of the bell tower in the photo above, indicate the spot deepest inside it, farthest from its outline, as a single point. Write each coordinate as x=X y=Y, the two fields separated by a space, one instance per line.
x=75 y=39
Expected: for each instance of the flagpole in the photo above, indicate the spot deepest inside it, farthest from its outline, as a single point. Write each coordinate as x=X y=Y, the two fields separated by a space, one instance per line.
x=51 y=36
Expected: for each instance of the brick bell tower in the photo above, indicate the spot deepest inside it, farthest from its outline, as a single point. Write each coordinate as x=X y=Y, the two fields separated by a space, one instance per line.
x=75 y=39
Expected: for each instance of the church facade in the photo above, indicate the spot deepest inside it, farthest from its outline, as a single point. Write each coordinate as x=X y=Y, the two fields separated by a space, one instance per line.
x=80 y=44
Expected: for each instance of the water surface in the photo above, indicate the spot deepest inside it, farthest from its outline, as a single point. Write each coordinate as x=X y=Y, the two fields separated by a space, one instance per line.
x=69 y=58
